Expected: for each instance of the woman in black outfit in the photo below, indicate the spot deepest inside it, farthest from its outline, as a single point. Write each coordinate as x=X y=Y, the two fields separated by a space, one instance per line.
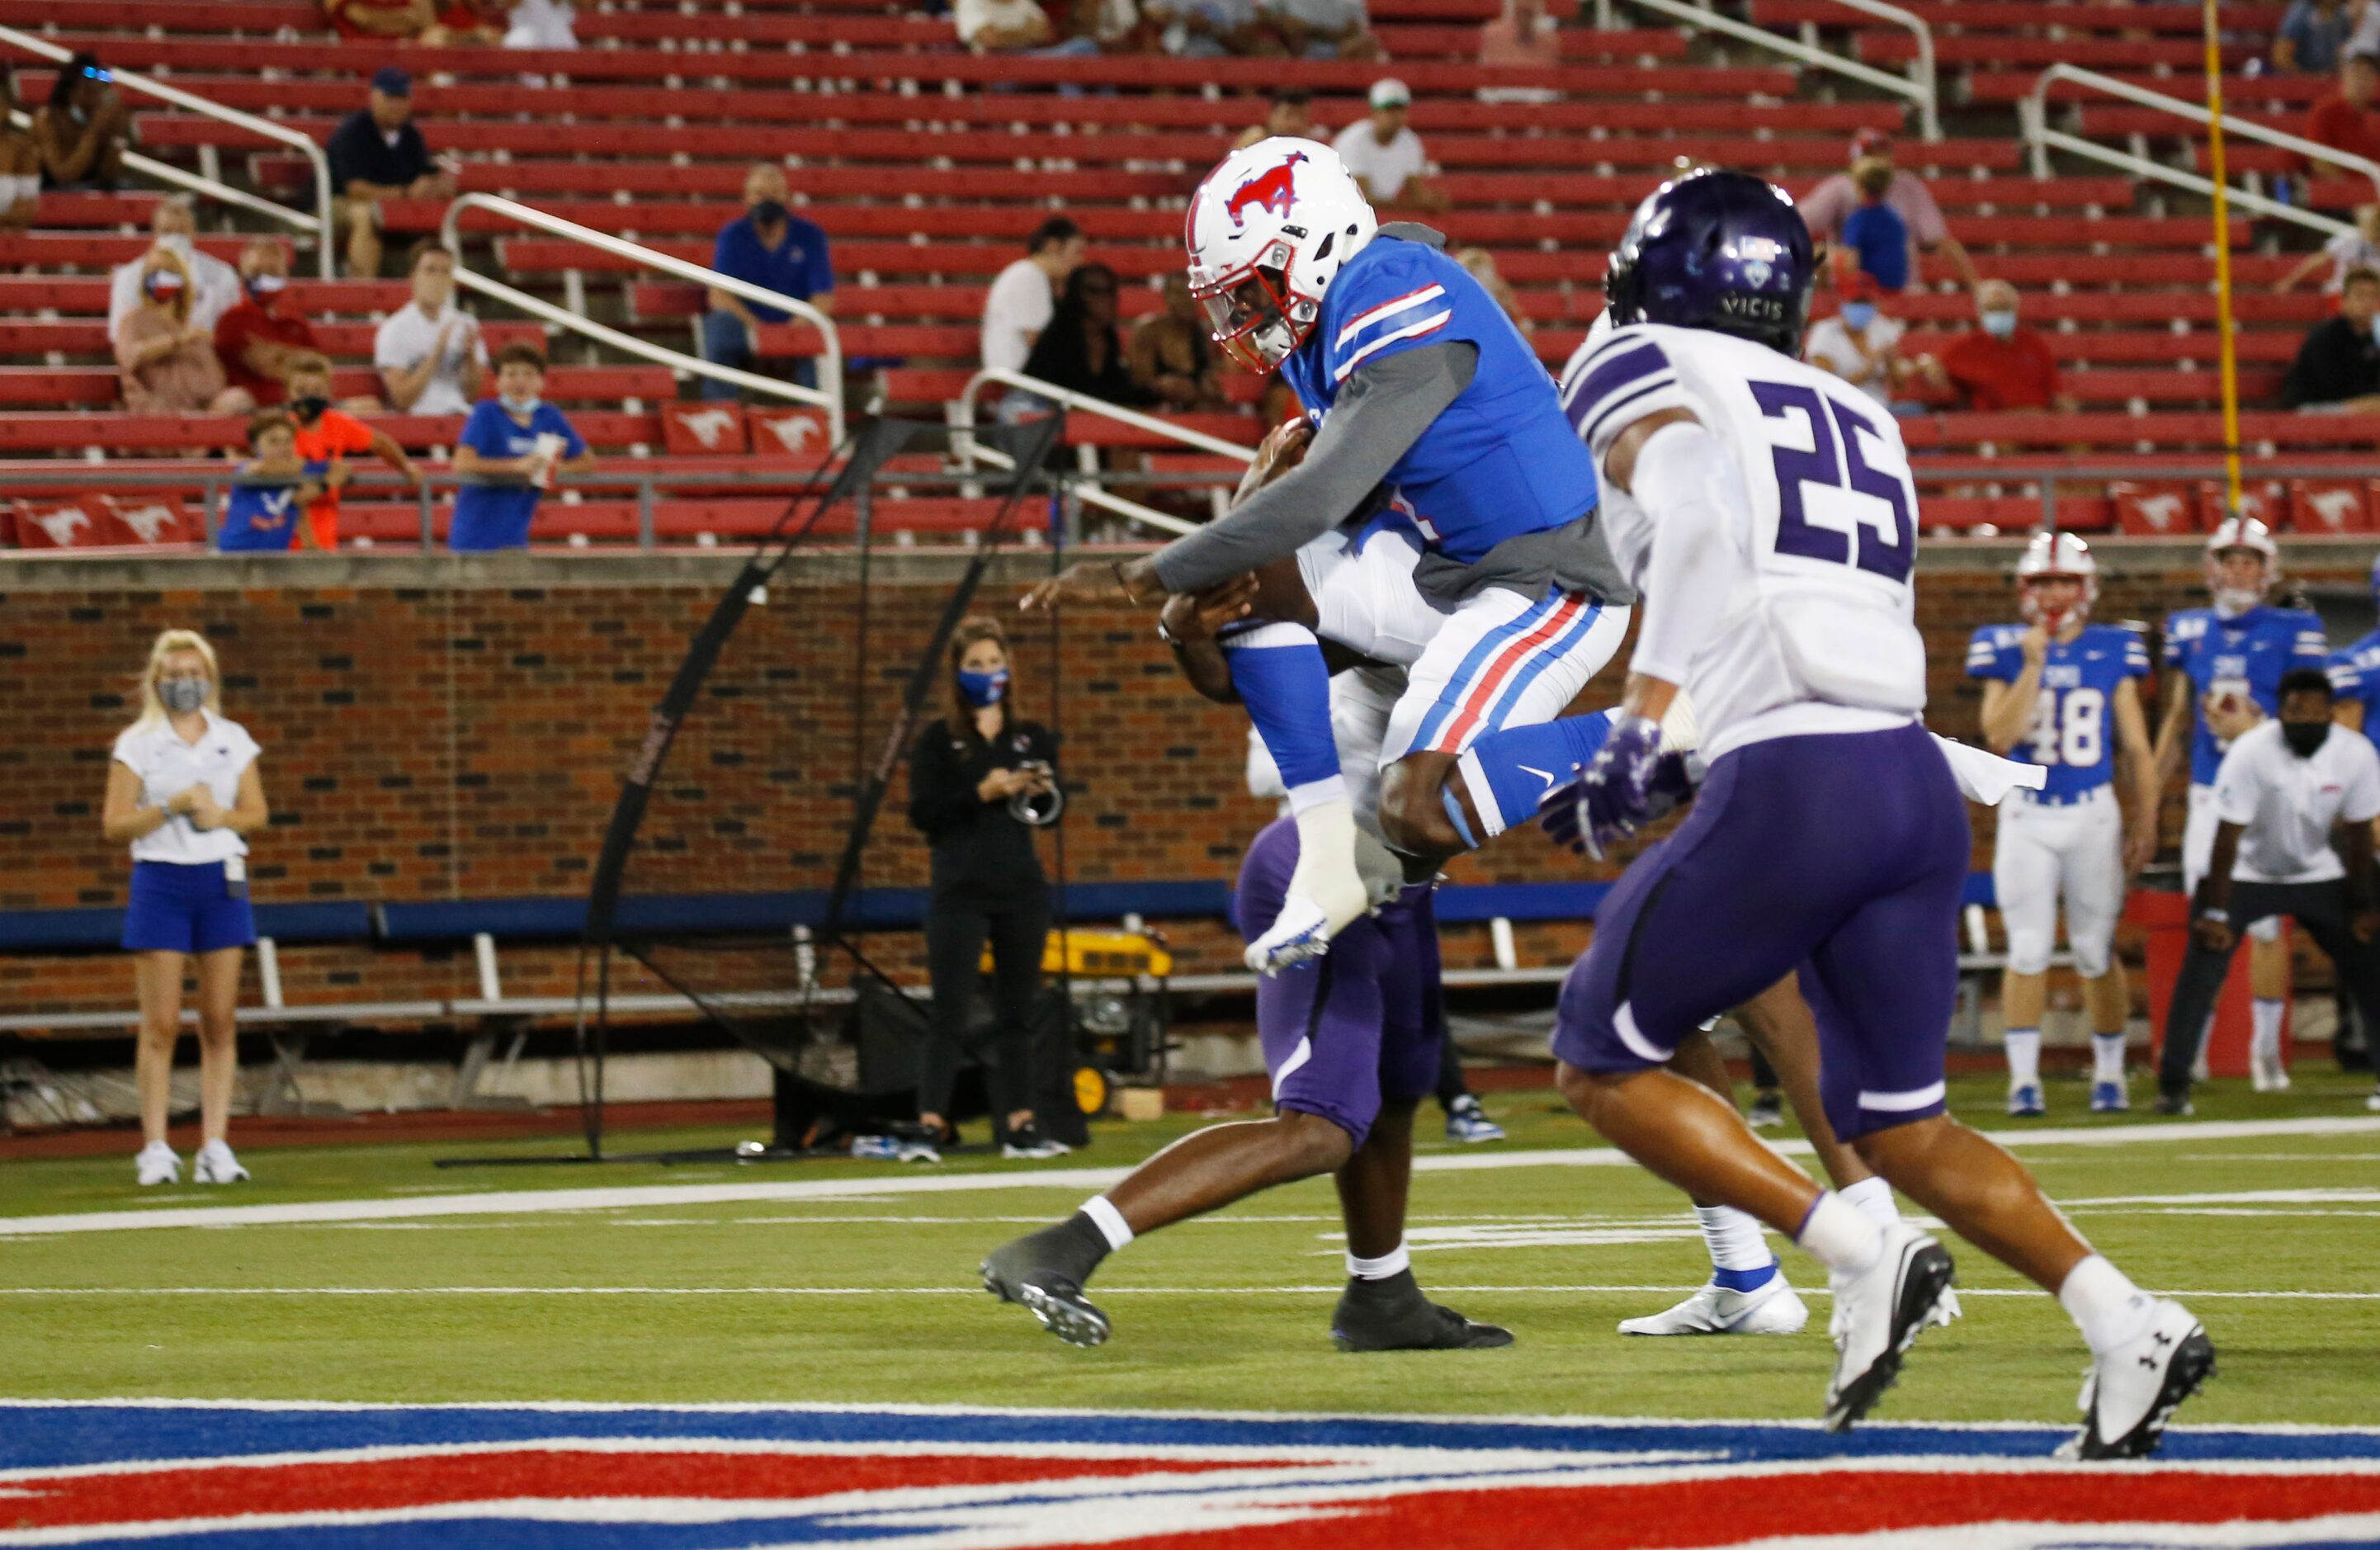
x=988 y=882
x=1080 y=349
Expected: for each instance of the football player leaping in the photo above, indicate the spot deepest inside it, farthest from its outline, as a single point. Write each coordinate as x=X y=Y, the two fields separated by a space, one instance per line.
x=1438 y=437
x=1766 y=511
x=2062 y=693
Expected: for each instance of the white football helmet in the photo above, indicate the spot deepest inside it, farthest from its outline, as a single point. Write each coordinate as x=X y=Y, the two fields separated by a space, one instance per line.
x=1267 y=231
x=2241 y=532
x=2055 y=555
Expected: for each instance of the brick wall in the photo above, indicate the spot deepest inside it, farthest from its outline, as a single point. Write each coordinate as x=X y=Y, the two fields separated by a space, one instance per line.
x=431 y=732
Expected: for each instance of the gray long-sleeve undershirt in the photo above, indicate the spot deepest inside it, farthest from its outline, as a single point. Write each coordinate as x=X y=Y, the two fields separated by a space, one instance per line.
x=1383 y=410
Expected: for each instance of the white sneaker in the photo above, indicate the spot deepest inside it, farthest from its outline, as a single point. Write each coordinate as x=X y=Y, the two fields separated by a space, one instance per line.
x=1770 y=1308
x=2131 y=1391
x=157 y=1165
x=1878 y=1316
x=217 y=1166
x=2268 y=1074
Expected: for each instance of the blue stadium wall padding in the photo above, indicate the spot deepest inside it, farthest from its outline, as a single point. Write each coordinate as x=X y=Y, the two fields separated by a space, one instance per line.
x=58 y=931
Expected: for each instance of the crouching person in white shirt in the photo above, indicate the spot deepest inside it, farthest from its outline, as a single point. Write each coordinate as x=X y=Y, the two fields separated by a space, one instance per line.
x=2292 y=795
x=182 y=788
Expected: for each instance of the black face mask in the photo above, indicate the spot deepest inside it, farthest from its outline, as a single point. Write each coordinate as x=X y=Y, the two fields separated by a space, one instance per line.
x=2305 y=737
x=309 y=408
x=767 y=213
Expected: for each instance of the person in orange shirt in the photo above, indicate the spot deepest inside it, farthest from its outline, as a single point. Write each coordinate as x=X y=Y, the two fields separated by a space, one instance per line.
x=329 y=436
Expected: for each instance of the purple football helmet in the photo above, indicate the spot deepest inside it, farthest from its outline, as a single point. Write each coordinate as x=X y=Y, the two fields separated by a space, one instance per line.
x=1717 y=250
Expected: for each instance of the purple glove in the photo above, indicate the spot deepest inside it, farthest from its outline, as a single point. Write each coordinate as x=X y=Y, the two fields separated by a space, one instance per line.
x=1615 y=796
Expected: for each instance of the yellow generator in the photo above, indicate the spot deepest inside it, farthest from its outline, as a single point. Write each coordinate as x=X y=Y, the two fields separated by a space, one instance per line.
x=1120 y=1008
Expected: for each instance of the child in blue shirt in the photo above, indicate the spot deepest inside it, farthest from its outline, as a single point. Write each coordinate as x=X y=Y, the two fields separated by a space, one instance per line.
x=514 y=442
x=1876 y=231
x=274 y=489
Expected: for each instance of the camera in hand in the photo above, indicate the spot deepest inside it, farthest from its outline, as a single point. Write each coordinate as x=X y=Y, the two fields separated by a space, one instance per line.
x=1040 y=809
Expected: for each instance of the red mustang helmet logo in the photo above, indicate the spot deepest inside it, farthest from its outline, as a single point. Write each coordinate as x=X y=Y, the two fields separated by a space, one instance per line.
x=1270 y=190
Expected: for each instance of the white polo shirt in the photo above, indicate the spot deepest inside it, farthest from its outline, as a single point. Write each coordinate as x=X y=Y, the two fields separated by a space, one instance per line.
x=168 y=766
x=2286 y=806
x=404 y=341
x=1018 y=306
x=1383 y=169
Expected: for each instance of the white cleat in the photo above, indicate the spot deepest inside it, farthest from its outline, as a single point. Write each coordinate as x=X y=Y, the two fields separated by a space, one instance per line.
x=1770 y=1308
x=1878 y=1316
x=217 y=1166
x=2132 y=1391
x=2267 y=1073
x=157 y=1165
x=1302 y=929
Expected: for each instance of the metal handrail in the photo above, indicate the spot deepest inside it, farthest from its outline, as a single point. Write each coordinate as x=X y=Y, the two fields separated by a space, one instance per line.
x=319 y=222
x=968 y=449
x=830 y=358
x=2035 y=115
x=1919 y=86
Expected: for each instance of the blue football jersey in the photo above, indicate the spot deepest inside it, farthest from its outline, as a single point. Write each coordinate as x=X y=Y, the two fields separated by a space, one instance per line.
x=260 y=517
x=1500 y=460
x=2355 y=676
x=2245 y=656
x=2074 y=732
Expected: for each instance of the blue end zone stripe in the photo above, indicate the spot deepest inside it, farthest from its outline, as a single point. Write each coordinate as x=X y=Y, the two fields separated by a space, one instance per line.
x=1534 y=667
x=1494 y=640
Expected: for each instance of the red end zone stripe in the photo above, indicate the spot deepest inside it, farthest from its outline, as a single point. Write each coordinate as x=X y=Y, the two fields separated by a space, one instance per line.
x=1490 y=683
x=1700 y=1513
x=550 y=1473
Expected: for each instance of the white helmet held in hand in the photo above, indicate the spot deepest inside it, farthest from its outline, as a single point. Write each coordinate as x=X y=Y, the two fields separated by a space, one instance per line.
x=2241 y=532
x=1267 y=231
x=2061 y=555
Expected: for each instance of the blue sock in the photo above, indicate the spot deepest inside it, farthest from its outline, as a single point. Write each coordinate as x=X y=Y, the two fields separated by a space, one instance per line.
x=1509 y=772
x=1278 y=672
x=1744 y=1280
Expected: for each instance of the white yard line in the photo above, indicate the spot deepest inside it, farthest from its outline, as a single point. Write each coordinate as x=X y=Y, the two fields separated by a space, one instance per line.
x=490 y=1202
x=1332 y=1290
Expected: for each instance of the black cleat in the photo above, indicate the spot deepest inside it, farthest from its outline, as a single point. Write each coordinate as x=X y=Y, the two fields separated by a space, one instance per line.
x=1393 y=1315
x=1022 y=1272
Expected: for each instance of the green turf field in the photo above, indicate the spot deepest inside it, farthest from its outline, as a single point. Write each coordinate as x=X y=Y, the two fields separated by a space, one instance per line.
x=663 y=1295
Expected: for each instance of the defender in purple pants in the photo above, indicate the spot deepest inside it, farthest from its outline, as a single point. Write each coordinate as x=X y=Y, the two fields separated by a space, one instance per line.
x=1352 y=1041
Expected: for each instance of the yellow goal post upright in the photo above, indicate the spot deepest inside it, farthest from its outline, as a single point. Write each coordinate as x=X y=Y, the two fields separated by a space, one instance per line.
x=2226 y=339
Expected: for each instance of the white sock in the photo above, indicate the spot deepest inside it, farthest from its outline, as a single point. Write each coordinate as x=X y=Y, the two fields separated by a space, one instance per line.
x=1108 y=1220
x=1394 y=1263
x=2107 y=1057
x=2023 y=1057
x=1839 y=1236
x=1874 y=1197
x=1734 y=1238
x=2268 y=1029
x=1326 y=852
x=2104 y=1304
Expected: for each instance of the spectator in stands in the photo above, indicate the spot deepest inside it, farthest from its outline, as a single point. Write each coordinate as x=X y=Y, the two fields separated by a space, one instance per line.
x=2311 y=34
x=1861 y=345
x=771 y=247
x=326 y=435
x=2345 y=252
x=511 y=448
x=1482 y=266
x=464 y=22
x=182 y=789
x=274 y=489
x=1112 y=27
x=429 y=351
x=21 y=162
x=1209 y=29
x=2337 y=369
x=1287 y=114
x=1999 y=365
x=1173 y=357
x=1023 y=295
x=1011 y=27
x=214 y=284
x=968 y=772
x=1385 y=155
x=378 y=153
x=2344 y=120
x=1828 y=205
x=392 y=21
x=167 y=362
x=256 y=340
x=542 y=24
x=1876 y=240
x=1080 y=350
x=1322 y=28
x=1524 y=38
x=80 y=132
